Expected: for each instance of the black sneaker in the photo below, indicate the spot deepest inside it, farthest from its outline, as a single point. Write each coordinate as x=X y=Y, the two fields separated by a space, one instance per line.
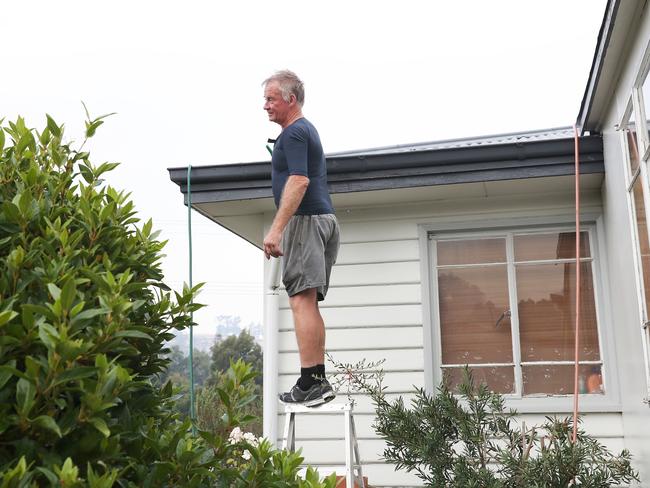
x=318 y=394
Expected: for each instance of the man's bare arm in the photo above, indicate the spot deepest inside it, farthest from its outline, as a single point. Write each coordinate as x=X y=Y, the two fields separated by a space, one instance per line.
x=292 y=195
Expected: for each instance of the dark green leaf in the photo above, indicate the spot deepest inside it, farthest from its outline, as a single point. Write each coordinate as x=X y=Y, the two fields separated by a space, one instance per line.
x=48 y=335
x=101 y=426
x=76 y=373
x=48 y=423
x=11 y=212
x=225 y=399
x=87 y=173
x=89 y=314
x=27 y=139
x=25 y=393
x=51 y=477
x=92 y=127
x=136 y=334
x=6 y=373
x=54 y=290
x=68 y=294
x=54 y=129
x=6 y=316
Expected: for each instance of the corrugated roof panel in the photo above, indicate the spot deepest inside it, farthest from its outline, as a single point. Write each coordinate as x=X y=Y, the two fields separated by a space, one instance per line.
x=510 y=138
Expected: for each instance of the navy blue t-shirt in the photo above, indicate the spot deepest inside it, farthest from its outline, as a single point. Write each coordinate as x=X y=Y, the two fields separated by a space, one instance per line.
x=298 y=151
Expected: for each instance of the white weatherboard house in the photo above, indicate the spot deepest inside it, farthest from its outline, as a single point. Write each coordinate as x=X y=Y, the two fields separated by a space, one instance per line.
x=463 y=251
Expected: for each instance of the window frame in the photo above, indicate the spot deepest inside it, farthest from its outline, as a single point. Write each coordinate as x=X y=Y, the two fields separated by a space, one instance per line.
x=610 y=400
x=635 y=106
x=636 y=97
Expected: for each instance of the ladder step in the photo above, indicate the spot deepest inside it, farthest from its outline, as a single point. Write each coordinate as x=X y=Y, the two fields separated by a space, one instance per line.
x=327 y=407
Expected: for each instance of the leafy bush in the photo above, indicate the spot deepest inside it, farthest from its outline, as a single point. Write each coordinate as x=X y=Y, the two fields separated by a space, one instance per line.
x=468 y=439
x=223 y=353
x=84 y=318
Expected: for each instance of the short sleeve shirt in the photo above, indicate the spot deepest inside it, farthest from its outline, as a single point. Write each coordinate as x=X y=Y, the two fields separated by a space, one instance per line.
x=298 y=151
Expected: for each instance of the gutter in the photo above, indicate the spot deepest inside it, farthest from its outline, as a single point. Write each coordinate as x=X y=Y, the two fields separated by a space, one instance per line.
x=355 y=173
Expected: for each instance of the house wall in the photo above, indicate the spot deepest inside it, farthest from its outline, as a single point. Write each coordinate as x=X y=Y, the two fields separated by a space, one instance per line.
x=375 y=310
x=635 y=413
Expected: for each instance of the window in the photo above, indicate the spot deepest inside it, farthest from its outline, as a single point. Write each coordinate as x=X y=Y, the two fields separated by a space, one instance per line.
x=637 y=188
x=645 y=100
x=506 y=307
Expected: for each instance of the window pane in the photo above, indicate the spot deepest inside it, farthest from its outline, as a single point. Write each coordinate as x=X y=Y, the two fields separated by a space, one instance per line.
x=472 y=300
x=642 y=234
x=632 y=145
x=557 y=379
x=546 y=294
x=499 y=378
x=646 y=100
x=558 y=245
x=474 y=251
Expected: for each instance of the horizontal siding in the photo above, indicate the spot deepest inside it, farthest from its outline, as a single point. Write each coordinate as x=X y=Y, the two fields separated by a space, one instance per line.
x=378 y=252
x=358 y=296
x=375 y=274
x=372 y=311
x=361 y=339
x=362 y=316
x=394 y=360
x=402 y=381
x=392 y=230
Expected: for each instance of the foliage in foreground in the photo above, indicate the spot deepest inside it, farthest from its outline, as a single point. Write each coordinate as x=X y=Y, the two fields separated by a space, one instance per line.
x=84 y=317
x=468 y=439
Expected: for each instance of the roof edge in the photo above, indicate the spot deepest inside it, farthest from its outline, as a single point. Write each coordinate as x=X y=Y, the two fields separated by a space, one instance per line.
x=600 y=53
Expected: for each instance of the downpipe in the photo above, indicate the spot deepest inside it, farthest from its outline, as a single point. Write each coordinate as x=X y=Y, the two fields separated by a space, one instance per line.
x=270 y=360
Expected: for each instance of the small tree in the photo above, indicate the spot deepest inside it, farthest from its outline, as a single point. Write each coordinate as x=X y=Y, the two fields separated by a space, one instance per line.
x=468 y=439
x=234 y=347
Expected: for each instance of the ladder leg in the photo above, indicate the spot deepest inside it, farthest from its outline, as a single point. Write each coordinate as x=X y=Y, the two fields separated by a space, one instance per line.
x=285 y=436
x=348 y=452
x=357 y=458
x=292 y=432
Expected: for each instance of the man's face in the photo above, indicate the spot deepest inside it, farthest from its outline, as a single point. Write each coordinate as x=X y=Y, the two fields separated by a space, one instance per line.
x=276 y=107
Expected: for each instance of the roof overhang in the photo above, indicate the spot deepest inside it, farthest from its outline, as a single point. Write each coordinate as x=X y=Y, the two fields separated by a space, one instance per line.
x=237 y=196
x=620 y=17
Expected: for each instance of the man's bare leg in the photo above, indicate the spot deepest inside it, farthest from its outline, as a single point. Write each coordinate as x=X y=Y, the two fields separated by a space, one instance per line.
x=309 y=327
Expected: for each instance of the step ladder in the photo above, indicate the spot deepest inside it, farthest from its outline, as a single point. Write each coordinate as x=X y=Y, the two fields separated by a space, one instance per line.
x=353 y=470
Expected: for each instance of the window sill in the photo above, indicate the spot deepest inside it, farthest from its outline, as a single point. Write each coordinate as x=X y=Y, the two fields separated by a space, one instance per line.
x=563 y=405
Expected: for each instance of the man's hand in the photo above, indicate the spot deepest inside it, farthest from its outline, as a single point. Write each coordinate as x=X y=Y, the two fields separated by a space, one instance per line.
x=272 y=244
x=294 y=190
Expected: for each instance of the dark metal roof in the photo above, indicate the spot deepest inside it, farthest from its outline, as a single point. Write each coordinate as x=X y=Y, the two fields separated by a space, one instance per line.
x=503 y=157
x=511 y=137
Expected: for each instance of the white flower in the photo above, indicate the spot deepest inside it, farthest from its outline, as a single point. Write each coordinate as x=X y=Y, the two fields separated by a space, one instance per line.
x=250 y=438
x=235 y=435
x=246 y=455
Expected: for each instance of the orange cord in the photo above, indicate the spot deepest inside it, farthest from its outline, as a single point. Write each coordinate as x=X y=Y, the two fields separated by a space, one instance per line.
x=576 y=393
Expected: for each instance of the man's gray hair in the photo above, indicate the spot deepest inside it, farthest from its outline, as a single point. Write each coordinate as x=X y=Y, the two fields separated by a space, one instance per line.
x=290 y=84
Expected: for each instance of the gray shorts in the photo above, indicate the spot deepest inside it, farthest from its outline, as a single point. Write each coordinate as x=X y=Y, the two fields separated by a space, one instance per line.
x=310 y=244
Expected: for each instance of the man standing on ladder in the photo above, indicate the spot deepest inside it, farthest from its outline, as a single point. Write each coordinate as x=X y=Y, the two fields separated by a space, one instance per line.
x=304 y=232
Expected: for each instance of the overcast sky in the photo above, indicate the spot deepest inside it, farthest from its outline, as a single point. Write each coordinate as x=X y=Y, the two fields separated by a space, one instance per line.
x=185 y=79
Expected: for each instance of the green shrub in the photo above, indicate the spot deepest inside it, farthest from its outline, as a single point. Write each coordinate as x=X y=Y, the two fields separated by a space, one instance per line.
x=468 y=439
x=84 y=318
